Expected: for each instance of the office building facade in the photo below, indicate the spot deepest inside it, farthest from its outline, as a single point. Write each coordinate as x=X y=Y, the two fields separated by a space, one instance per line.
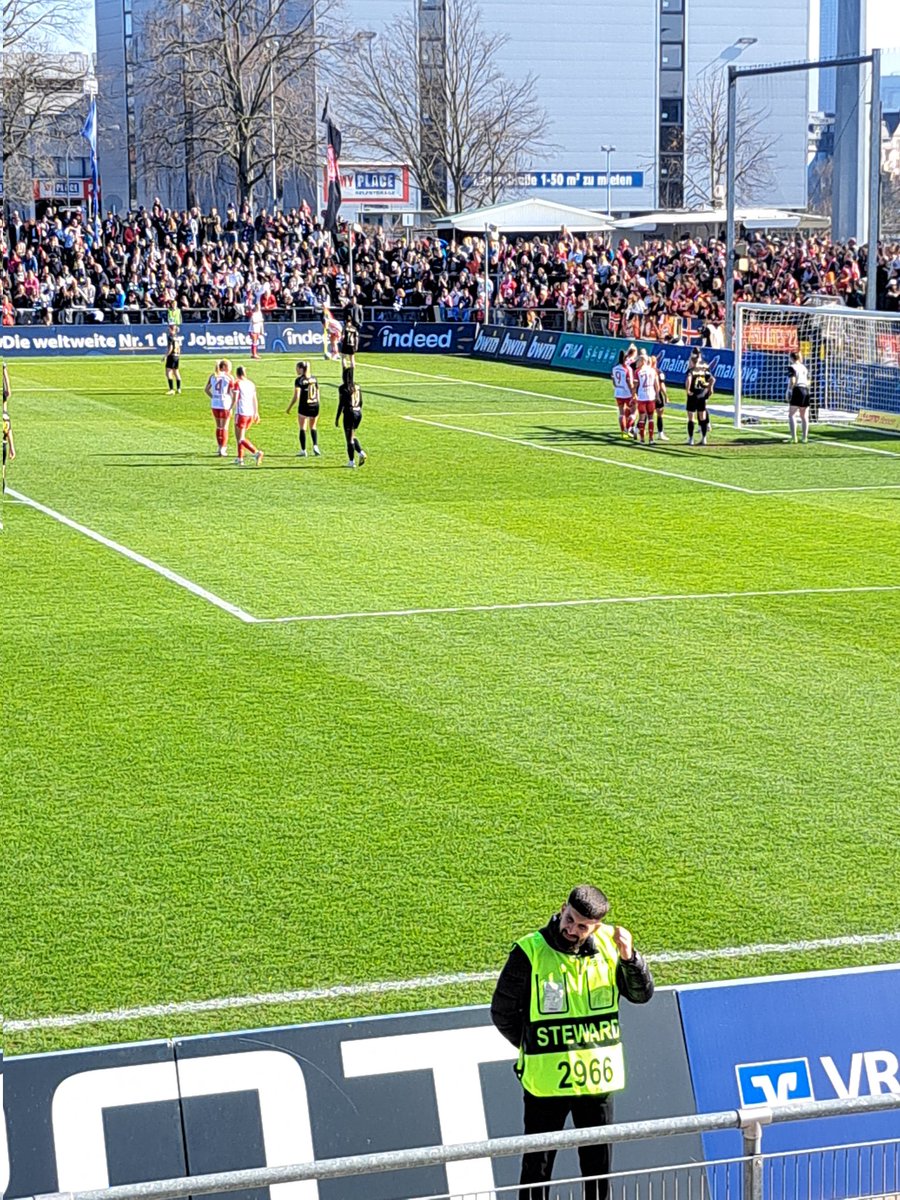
x=624 y=74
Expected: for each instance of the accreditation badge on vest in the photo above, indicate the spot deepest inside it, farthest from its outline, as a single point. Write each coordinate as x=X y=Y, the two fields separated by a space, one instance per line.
x=554 y=997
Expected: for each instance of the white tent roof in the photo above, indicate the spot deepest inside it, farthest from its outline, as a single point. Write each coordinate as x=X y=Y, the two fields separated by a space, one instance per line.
x=529 y=216
x=750 y=218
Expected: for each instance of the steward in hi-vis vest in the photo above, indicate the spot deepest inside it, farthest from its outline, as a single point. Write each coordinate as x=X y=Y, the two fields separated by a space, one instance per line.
x=571 y=1044
x=557 y=1001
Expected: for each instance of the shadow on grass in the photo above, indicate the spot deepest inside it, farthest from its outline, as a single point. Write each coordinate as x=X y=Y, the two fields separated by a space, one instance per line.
x=676 y=446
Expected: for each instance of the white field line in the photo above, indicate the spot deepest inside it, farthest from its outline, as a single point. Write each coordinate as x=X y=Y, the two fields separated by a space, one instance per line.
x=612 y=462
x=862 y=487
x=448 y=379
x=862 y=449
x=586 y=603
x=140 y=559
x=491 y=387
x=418 y=983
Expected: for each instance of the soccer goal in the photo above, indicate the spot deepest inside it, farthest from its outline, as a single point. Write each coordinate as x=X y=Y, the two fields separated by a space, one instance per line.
x=853 y=358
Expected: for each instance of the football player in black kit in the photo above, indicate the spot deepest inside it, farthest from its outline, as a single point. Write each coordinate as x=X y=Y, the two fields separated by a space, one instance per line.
x=349 y=343
x=699 y=384
x=350 y=410
x=306 y=397
x=173 y=358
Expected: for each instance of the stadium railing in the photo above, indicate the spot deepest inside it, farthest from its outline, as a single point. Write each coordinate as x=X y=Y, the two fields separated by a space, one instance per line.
x=857 y=1169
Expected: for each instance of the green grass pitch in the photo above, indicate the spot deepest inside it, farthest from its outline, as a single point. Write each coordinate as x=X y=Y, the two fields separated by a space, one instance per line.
x=199 y=806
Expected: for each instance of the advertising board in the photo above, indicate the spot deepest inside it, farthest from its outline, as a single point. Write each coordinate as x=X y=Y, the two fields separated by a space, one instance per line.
x=421 y=337
x=152 y=1110
x=512 y=344
x=582 y=352
x=820 y=1036
x=53 y=341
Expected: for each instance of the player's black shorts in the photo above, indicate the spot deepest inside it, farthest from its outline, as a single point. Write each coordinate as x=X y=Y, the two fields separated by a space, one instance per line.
x=352 y=419
x=660 y=404
x=696 y=403
x=800 y=397
x=172 y=361
x=307 y=410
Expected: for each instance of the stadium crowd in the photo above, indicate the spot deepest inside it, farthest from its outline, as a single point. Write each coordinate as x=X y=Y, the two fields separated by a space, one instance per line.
x=215 y=266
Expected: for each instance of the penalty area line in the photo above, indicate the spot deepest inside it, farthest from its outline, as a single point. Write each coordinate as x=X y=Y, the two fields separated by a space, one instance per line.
x=590 y=602
x=612 y=462
x=140 y=559
x=419 y=983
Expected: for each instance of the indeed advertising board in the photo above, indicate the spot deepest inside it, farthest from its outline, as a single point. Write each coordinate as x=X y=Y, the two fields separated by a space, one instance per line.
x=820 y=1036
x=421 y=337
x=53 y=341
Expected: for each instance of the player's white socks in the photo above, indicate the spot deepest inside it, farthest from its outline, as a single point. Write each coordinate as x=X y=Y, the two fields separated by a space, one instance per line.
x=792 y=425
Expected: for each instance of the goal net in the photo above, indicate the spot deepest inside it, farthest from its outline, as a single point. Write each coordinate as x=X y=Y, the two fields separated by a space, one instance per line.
x=853 y=357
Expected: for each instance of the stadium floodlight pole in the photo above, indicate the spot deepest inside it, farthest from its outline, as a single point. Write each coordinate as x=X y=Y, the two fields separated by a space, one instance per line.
x=730 y=172
x=608 y=150
x=874 y=230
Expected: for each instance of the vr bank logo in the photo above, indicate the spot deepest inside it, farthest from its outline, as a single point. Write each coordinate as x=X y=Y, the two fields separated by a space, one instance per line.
x=868 y=1072
x=778 y=1082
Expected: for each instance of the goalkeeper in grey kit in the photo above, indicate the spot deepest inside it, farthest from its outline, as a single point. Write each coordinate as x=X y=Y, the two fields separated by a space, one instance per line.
x=349 y=411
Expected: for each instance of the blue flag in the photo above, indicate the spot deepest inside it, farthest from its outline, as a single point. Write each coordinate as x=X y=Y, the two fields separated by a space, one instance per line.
x=89 y=133
x=89 y=129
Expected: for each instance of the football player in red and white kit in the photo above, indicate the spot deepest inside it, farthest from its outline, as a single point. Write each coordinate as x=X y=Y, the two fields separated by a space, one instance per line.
x=220 y=389
x=333 y=333
x=646 y=396
x=246 y=413
x=623 y=393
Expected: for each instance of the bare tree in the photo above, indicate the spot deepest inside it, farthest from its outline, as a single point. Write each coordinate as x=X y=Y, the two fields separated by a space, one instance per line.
x=39 y=88
x=443 y=105
x=230 y=83
x=707 y=145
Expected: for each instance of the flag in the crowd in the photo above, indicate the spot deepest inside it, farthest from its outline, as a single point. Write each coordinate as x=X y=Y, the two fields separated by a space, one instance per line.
x=89 y=133
x=332 y=173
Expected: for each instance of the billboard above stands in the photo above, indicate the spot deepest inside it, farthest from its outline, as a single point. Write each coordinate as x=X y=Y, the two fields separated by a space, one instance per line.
x=450 y=337
x=822 y=1036
x=374 y=183
x=53 y=341
x=555 y=179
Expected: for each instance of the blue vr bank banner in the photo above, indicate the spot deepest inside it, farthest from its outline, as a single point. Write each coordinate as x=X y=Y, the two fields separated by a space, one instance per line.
x=821 y=1036
x=420 y=337
x=53 y=341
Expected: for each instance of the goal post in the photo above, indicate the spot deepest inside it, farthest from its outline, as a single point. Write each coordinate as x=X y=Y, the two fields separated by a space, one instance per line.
x=853 y=357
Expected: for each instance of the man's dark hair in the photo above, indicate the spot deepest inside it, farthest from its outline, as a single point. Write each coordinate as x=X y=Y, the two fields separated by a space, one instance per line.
x=589 y=901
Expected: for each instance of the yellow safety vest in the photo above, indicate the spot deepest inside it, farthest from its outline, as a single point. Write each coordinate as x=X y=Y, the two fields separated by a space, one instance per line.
x=571 y=1045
